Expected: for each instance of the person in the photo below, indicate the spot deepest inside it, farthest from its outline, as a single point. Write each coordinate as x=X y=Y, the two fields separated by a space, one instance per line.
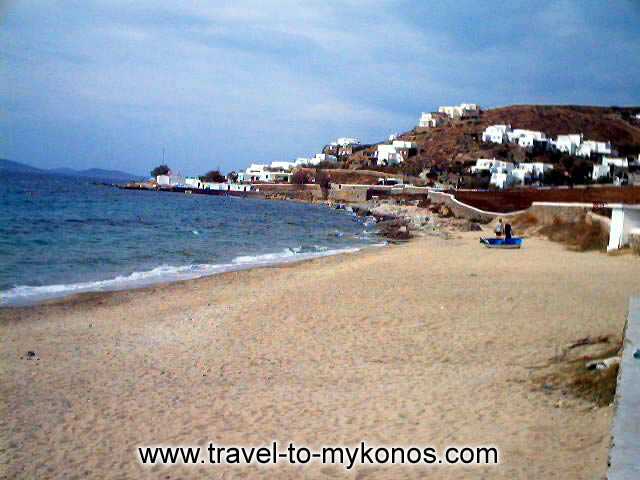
x=508 y=231
x=499 y=228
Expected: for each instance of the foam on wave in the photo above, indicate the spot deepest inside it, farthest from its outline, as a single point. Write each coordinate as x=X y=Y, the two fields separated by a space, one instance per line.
x=28 y=295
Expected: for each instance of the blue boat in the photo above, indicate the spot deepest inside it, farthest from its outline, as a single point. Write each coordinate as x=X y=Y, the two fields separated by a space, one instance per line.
x=513 y=242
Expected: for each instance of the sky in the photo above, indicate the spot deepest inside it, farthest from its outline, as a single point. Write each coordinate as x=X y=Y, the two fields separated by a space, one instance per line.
x=217 y=84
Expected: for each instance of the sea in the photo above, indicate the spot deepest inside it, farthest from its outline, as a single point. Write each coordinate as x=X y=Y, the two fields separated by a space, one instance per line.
x=62 y=235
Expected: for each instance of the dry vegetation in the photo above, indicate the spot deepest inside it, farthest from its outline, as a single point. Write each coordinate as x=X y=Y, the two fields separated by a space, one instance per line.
x=569 y=374
x=580 y=236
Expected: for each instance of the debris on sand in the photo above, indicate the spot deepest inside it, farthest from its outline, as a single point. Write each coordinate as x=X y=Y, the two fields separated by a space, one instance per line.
x=589 y=341
x=603 y=363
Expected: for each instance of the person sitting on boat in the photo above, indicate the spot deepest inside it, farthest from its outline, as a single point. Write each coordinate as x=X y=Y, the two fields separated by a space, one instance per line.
x=508 y=231
x=499 y=228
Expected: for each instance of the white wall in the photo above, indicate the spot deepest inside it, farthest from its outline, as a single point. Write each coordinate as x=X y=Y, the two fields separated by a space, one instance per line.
x=623 y=222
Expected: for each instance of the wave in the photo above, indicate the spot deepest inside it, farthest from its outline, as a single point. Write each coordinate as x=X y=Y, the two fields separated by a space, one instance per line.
x=29 y=295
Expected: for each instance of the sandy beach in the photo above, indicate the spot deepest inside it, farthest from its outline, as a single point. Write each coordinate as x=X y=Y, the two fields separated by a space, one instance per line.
x=436 y=342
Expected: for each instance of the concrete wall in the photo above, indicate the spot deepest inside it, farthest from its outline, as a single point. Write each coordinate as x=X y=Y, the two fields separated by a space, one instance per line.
x=625 y=442
x=348 y=193
x=624 y=221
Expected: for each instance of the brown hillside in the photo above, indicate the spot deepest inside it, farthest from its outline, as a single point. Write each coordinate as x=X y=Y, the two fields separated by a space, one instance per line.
x=459 y=142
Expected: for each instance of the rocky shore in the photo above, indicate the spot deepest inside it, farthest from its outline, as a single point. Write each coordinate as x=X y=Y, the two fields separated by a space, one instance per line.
x=398 y=221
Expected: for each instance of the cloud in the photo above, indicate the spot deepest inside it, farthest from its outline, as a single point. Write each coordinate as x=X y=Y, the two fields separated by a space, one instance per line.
x=233 y=82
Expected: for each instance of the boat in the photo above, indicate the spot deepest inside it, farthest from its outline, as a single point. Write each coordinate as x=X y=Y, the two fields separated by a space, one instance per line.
x=513 y=242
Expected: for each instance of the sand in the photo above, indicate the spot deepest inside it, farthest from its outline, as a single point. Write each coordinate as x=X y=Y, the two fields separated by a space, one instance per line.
x=436 y=342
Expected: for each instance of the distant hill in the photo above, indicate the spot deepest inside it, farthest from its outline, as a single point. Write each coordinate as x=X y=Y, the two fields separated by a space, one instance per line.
x=95 y=173
x=10 y=166
x=98 y=173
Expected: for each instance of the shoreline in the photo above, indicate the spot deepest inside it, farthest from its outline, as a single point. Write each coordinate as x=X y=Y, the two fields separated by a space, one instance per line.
x=99 y=295
x=126 y=283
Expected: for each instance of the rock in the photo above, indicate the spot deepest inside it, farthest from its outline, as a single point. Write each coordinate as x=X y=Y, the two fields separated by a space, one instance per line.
x=446 y=212
x=31 y=354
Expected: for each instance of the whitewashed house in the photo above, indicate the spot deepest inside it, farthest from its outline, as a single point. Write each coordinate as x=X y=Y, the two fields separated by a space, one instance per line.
x=600 y=171
x=500 y=171
x=403 y=144
x=464 y=110
x=387 y=155
x=491 y=165
x=170 y=179
x=284 y=166
x=432 y=119
x=394 y=154
x=606 y=168
x=346 y=141
x=496 y=133
x=615 y=162
x=193 y=182
x=501 y=180
x=254 y=173
x=526 y=172
x=587 y=147
x=323 y=157
x=568 y=143
x=525 y=138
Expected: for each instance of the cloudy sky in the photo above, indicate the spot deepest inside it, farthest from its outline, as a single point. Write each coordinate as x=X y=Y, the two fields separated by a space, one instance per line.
x=110 y=83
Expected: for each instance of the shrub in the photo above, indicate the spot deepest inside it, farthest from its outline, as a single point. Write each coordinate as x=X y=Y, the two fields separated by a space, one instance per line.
x=160 y=170
x=580 y=236
x=300 y=177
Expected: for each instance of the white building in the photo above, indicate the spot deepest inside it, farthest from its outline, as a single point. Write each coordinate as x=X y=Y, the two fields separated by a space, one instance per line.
x=500 y=171
x=193 y=182
x=604 y=169
x=496 y=133
x=575 y=144
x=600 y=171
x=587 y=147
x=525 y=138
x=568 y=143
x=393 y=136
x=529 y=171
x=387 y=155
x=397 y=152
x=491 y=165
x=346 y=141
x=259 y=172
x=284 y=166
x=616 y=162
x=432 y=119
x=170 y=179
x=464 y=110
x=502 y=179
x=400 y=144
x=323 y=157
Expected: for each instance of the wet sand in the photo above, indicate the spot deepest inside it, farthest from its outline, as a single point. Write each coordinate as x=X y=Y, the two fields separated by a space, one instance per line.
x=436 y=342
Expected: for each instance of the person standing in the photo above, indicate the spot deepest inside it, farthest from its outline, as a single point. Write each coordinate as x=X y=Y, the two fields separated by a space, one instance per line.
x=508 y=232
x=499 y=228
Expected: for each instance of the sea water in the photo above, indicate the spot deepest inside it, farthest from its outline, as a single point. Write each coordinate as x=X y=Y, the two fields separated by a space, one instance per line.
x=62 y=235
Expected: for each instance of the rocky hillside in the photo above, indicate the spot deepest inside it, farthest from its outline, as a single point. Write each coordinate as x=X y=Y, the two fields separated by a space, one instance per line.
x=459 y=142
